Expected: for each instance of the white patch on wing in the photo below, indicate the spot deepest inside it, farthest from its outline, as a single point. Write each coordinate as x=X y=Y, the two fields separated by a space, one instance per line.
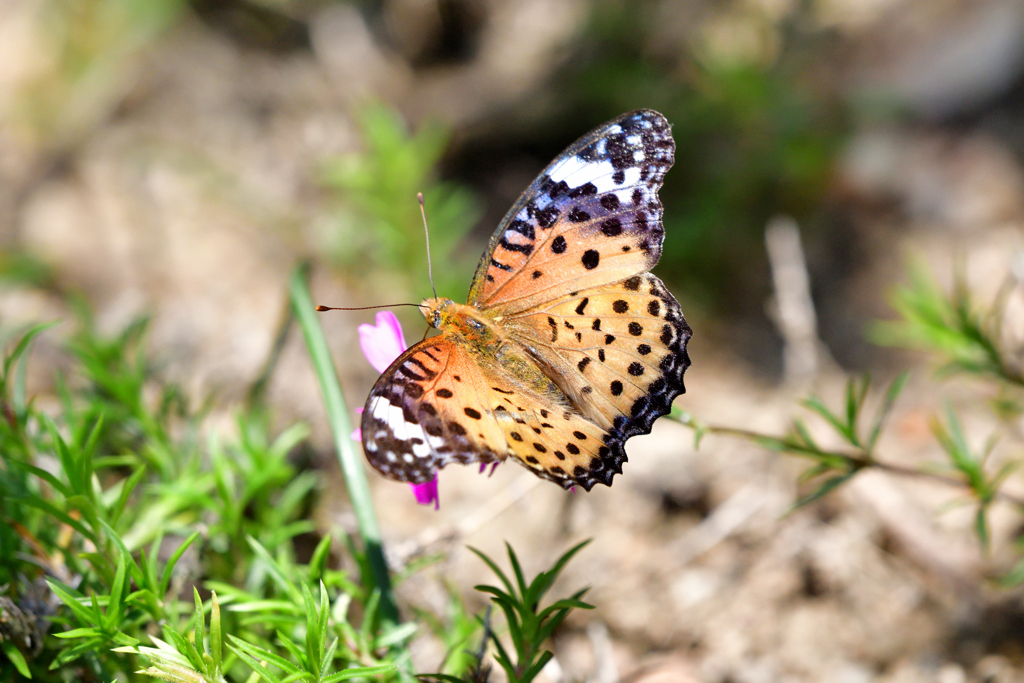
x=597 y=172
x=568 y=167
x=402 y=430
x=632 y=177
x=516 y=237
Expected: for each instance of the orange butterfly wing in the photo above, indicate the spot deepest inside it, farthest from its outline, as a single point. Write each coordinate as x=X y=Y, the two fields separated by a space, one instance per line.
x=436 y=405
x=564 y=280
x=617 y=351
x=591 y=218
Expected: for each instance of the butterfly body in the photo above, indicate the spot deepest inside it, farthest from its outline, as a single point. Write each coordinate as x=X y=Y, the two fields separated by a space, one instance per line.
x=484 y=339
x=567 y=346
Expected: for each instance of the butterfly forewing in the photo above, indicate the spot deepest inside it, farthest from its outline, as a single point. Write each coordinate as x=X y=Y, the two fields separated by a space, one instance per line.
x=591 y=218
x=413 y=424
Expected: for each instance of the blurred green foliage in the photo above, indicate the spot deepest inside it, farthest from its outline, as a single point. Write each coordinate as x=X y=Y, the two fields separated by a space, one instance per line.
x=379 y=226
x=964 y=337
x=756 y=135
x=127 y=524
x=91 y=44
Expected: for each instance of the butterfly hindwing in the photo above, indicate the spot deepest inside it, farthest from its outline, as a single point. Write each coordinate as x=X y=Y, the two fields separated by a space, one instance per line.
x=617 y=351
x=436 y=404
x=592 y=217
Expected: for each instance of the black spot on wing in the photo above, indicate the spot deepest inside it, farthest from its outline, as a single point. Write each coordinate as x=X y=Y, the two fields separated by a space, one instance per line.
x=512 y=246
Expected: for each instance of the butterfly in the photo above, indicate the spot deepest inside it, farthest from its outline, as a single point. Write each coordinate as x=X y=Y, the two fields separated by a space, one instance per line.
x=567 y=345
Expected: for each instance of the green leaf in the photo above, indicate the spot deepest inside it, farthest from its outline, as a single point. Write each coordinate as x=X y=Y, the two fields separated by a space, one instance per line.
x=79 y=633
x=69 y=597
x=126 y=492
x=123 y=639
x=566 y=604
x=116 y=593
x=396 y=635
x=549 y=576
x=535 y=669
x=240 y=646
x=49 y=478
x=22 y=346
x=891 y=394
x=520 y=579
x=293 y=649
x=981 y=527
x=318 y=562
x=826 y=487
x=817 y=405
x=165 y=580
x=253 y=664
x=1015 y=577
x=216 y=642
x=274 y=570
x=16 y=658
x=199 y=618
x=56 y=513
x=322 y=618
x=359 y=672
x=329 y=654
x=76 y=651
x=185 y=647
x=136 y=572
x=494 y=568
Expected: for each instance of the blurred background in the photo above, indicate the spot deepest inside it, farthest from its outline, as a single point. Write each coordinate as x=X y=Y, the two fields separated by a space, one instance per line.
x=176 y=159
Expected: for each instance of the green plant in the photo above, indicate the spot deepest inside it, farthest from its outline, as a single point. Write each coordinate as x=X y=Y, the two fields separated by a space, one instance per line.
x=378 y=215
x=529 y=625
x=124 y=511
x=964 y=338
x=124 y=531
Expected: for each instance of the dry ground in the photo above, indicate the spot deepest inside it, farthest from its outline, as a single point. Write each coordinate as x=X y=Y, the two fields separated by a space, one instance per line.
x=189 y=194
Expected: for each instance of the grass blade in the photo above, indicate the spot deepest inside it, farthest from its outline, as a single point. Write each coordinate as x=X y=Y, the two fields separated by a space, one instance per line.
x=350 y=461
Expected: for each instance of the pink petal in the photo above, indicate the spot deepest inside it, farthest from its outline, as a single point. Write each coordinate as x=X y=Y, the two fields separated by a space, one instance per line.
x=427 y=493
x=357 y=433
x=382 y=343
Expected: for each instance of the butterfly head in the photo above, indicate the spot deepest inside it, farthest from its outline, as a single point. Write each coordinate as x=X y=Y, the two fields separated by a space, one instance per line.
x=458 y=319
x=437 y=311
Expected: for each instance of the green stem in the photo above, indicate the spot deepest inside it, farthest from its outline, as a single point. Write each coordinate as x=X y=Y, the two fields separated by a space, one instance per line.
x=350 y=461
x=860 y=461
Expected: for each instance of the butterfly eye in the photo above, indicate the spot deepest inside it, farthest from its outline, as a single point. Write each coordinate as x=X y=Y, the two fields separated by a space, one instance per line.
x=437 y=319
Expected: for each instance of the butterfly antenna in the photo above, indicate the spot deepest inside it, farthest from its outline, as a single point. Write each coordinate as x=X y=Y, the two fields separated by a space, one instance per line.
x=364 y=308
x=426 y=231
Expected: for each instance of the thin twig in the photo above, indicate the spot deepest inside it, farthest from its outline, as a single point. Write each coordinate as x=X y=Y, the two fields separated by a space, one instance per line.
x=794 y=313
x=860 y=461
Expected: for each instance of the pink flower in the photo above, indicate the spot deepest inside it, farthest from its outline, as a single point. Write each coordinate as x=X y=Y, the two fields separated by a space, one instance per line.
x=382 y=344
